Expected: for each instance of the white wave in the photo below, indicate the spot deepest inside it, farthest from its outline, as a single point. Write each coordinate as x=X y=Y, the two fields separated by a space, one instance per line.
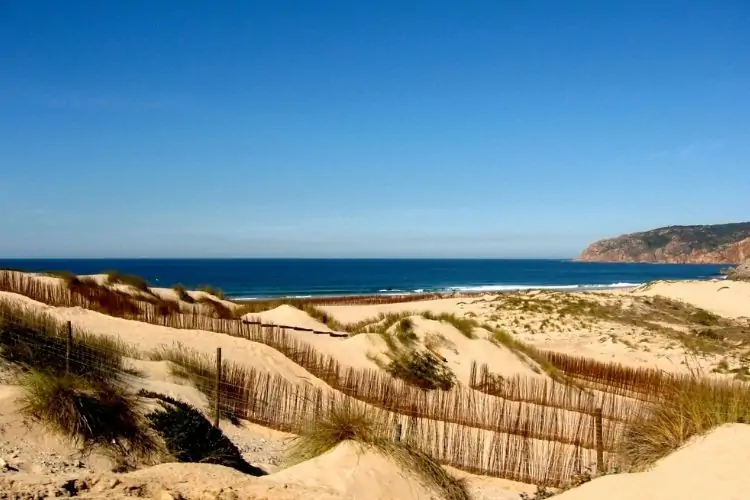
x=390 y=290
x=244 y=298
x=504 y=288
x=418 y=290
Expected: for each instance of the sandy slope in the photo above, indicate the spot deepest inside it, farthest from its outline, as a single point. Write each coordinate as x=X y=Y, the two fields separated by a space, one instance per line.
x=147 y=337
x=724 y=297
x=710 y=467
x=605 y=341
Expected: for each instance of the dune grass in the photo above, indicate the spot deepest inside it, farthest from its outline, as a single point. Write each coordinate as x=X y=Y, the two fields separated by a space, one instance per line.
x=90 y=413
x=347 y=422
x=80 y=395
x=520 y=349
x=200 y=370
x=116 y=277
x=464 y=325
x=36 y=341
x=220 y=310
x=684 y=409
x=183 y=294
x=216 y=292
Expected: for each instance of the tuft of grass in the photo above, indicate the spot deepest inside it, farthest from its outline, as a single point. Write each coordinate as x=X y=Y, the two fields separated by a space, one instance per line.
x=190 y=437
x=220 y=310
x=703 y=317
x=464 y=325
x=127 y=279
x=686 y=409
x=89 y=413
x=405 y=331
x=68 y=278
x=183 y=294
x=216 y=292
x=523 y=351
x=322 y=316
x=346 y=422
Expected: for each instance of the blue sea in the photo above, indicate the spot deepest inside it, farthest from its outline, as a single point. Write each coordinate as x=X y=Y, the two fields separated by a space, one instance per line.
x=261 y=278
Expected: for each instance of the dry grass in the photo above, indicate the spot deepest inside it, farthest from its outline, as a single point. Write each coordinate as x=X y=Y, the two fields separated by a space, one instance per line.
x=89 y=413
x=116 y=277
x=683 y=410
x=344 y=422
x=464 y=325
x=37 y=341
x=183 y=294
x=216 y=292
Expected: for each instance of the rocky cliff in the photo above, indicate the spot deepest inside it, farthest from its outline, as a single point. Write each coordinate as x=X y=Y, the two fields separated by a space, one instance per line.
x=719 y=244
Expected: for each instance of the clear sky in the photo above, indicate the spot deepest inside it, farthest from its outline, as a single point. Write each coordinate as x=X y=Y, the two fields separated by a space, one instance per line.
x=363 y=128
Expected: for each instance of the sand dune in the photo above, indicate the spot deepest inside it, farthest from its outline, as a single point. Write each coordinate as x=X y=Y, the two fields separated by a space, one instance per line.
x=711 y=466
x=724 y=297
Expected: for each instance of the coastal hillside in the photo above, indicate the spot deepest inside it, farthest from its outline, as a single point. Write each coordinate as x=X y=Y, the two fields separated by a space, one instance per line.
x=707 y=244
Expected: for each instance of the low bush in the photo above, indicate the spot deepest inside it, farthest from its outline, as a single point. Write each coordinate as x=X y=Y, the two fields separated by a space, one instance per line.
x=190 y=437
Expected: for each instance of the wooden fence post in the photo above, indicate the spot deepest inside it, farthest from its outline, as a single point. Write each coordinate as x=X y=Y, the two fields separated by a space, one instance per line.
x=218 y=386
x=68 y=347
x=599 y=441
x=397 y=433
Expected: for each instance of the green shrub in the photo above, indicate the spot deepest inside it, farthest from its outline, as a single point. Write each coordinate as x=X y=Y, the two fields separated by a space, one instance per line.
x=190 y=437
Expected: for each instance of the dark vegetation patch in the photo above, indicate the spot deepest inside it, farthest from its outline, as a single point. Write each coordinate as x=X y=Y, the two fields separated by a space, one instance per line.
x=422 y=369
x=137 y=282
x=190 y=437
x=183 y=294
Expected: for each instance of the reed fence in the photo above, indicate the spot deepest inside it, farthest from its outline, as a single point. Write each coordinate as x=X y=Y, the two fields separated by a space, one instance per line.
x=546 y=420
x=551 y=393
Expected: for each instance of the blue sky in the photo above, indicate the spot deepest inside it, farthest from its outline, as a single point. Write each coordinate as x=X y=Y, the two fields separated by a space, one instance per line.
x=350 y=129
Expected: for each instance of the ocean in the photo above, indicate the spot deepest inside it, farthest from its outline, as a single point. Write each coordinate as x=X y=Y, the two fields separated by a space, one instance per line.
x=261 y=278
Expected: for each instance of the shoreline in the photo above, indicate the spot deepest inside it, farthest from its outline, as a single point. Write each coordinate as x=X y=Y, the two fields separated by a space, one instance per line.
x=391 y=298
